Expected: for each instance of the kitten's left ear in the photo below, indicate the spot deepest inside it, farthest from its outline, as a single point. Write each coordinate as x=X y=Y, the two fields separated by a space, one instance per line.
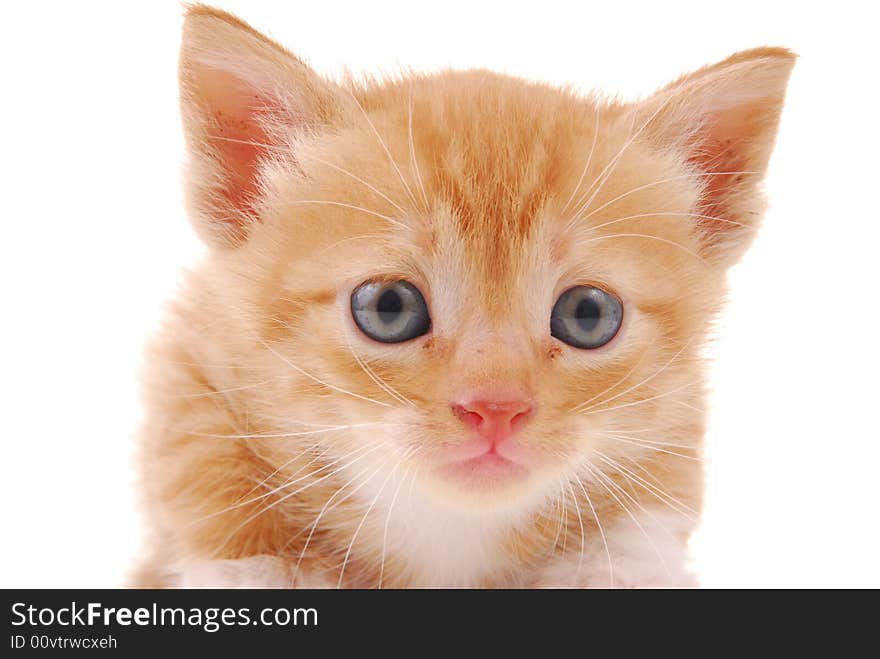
x=723 y=118
x=244 y=100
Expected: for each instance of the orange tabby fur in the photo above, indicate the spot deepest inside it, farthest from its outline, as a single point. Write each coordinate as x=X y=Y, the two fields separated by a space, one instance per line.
x=492 y=195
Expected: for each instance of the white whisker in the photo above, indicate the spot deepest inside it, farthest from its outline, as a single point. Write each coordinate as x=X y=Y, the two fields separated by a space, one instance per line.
x=615 y=433
x=388 y=522
x=298 y=490
x=577 y=510
x=641 y=401
x=599 y=477
x=412 y=486
x=608 y=390
x=657 y=492
x=654 y=448
x=670 y=215
x=262 y=145
x=560 y=504
x=381 y=383
x=280 y=435
x=372 y=188
x=606 y=173
x=341 y=204
x=601 y=533
x=586 y=165
x=660 y=182
x=645 y=511
x=364 y=519
x=412 y=156
x=327 y=506
x=281 y=468
x=385 y=148
x=646 y=380
x=218 y=392
x=290 y=481
x=318 y=380
x=646 y=236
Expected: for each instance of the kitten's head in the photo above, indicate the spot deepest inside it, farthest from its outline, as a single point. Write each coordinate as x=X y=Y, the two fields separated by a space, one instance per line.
x=485 y=285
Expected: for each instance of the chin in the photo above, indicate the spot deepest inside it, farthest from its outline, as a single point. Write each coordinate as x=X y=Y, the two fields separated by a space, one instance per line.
x=489 y=484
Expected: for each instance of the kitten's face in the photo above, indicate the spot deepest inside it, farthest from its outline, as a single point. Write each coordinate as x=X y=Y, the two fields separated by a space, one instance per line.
x=486 y=405
x=471 y=285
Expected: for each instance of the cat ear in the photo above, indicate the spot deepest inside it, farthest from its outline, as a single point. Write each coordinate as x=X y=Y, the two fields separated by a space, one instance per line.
x=244 y=98
x=723 y=119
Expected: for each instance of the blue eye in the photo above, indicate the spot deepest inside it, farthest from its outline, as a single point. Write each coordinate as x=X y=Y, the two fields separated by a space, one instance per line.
x=390 y=312
x=586 y=317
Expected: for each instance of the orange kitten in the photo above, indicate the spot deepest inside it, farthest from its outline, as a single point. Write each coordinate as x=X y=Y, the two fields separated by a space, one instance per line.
x=448 y=332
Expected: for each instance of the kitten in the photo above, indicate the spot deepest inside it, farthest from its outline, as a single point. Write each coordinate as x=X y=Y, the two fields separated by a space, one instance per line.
x=448 y=330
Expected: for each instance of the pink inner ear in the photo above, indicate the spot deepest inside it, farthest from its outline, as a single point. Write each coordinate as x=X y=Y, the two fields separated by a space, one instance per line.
x=235 y=134
x=723 y=147
x=238 y=142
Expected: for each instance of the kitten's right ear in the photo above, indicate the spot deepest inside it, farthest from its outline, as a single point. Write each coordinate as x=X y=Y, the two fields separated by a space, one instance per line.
x=244 y=98
x=722 y=120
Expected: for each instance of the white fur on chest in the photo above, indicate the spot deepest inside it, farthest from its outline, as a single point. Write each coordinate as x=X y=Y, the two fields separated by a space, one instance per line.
x=444 y=547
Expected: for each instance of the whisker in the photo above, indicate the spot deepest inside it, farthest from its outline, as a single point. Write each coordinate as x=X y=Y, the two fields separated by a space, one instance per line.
x=641 y=401
x=411 y=486
x=654 y=448
x=560 y=504
x=646 y=380
x=327 y=506
x=364 y=519
x=586 y=165
x=675 y=427
x=218 y=392
x=176 y=362
x=298 y=490
x=381 y=383
x=601 y=533
x=577 y=509
x=646 y=236
x=357 y=178
x=388 y=521
x=661 y=182
x=638 y=465
x=412 y=155
x=565 y=517
x=290 y=481
x=599 y=478
x=318 y=380
x=644 y=510
x=671 y=215
x=657 y=492
x=341 y=204
x=616 y=433
x=384 y=147
x=281 y=468
x=607 y=390
x=268 y=147
x=606 y=173
x=348 y=240
x=280 y=435
x=689 y=406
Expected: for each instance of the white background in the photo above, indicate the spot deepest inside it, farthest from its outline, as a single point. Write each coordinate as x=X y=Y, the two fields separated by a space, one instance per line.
x=94 y=239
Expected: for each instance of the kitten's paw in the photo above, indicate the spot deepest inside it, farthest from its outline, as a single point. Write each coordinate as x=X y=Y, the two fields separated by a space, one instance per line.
x=627 y=574
x=251 y=572
x=650 y=554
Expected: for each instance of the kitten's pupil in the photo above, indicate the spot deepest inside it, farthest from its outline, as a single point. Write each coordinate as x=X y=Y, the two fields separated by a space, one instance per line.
x=587 y=314
x=390 y=304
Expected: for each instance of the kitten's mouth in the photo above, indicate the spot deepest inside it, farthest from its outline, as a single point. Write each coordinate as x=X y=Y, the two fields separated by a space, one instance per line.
x=488 y=467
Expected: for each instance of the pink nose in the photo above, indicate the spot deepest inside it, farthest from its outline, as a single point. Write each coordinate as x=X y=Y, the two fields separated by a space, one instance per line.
x=494 y=420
